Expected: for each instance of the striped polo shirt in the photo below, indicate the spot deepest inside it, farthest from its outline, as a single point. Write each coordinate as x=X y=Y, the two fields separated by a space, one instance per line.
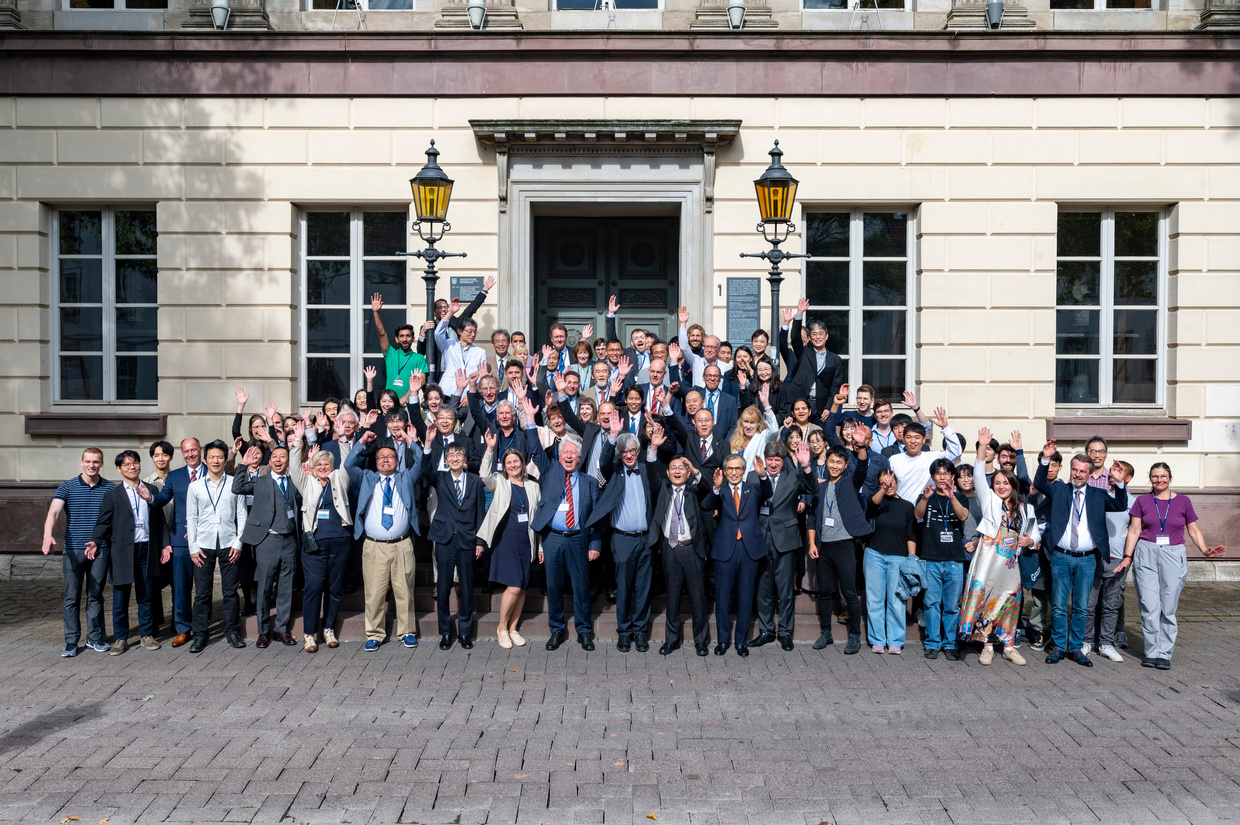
x=82 y=503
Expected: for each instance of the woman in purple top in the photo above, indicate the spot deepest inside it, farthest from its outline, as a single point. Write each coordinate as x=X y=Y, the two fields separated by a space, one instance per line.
x=1155 y=549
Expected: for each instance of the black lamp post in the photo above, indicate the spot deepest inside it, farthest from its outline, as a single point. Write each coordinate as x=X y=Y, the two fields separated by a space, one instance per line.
x=777 y=191
x=432 y=190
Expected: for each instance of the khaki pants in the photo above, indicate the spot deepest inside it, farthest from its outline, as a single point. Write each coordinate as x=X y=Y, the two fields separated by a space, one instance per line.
x=385 y=565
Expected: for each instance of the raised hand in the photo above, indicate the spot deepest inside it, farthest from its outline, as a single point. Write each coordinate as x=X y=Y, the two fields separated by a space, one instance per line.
x=369 y=418
x=242 y=397
x=461 y=380
x=789 y=314
x=764 y=395
x=261 y=432
x=929 y=491
x=527 y=407
x=1048 y=449
x=787 y=421
x=861 y=435
x=488 y=283
x=417 y=379
x=625 y=367
x=718 y=478
x=376 y=302
x=742 y=379
x=841 y=397
x=803 y=453
x=615 y=425
x=613 y=388
x=587 y=332
x=657 y=436
x=238 y=443
x=310 y=454
x=759 y=465
x=656 y=398
x=144 y=492
x=367 y=437
x=321 y=420
x=939 y=418
x=1117 y=473
x=370 y=372
x=299 y=430
x=454 y=306
x=910 y=400
x=802 y=305
x=673 y=353
x=682 y=315
x=252 y=457
x=490 y=437
x=983 y=442
x=1014 y=440
x=560 y=383
x=612 y=305
x=307 y=415
x=271 y=412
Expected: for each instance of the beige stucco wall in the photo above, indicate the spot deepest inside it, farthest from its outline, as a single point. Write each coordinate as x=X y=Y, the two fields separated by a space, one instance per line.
x=983 y=176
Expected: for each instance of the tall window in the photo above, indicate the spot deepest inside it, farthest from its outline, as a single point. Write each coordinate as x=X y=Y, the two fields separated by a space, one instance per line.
x=1109 y=323
x=346 y=258
x=104 y=325
x=1101 y=5
x=364 y=5
x=858 y=280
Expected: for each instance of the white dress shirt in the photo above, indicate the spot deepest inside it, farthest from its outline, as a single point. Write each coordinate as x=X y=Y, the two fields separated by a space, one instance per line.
x=374 y=514
x=677 y=506
x=141 y=514
x=214 y=515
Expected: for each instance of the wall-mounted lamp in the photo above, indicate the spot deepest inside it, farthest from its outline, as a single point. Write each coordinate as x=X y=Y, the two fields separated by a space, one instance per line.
x=736 y=14
x=477 y=10
x=220 y=12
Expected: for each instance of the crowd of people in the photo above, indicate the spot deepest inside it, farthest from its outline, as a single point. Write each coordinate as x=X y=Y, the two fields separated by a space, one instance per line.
x=690 y=466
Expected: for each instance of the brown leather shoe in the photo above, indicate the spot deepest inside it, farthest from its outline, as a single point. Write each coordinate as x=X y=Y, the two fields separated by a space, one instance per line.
x=180 y=639
x=282 y=638
x=262 y=641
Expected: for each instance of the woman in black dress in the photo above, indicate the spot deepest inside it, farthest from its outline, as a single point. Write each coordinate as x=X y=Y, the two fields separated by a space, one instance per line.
x=507 y=529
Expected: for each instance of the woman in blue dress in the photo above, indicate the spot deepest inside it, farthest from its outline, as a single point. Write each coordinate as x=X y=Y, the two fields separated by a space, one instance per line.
x=507 y=529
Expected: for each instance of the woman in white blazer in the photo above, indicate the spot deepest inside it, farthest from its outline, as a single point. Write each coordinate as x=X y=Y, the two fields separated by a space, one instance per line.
x=991 y=602
x=507 y=529
x=327 y=535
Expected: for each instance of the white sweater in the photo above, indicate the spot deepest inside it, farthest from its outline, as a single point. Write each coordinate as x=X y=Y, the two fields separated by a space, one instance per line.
x=913 y=472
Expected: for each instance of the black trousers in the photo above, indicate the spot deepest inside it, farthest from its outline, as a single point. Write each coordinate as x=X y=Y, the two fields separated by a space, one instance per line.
x=633 y=574
x=684 y=569
x=837 y=567
x=204 y=590
x=448 y=558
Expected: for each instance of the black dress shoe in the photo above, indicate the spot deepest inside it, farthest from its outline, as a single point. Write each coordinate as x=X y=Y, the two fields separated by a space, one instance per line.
x=951 y=655
x=720 y=649
x=466 y=643
x=703 y=649
x=785 y=642
x=1162 y=664
x=200 y=642
x=742 y=650
x=623 y=644
x=1080 y=658
x=668 y=647
x=235 y=640
x=557 y=639
x=586 y=640
x=931 y=654
x=641 y=642
x=854 y=644
x=445 y=643
x=262 y=641
x=1148 y=662
x=824 y=640
x=763 y=638
x=1053 y=656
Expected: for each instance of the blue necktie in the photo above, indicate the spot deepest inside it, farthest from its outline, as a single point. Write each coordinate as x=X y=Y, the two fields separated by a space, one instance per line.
x=711 y=403
x=387 y=503
x=460 y=491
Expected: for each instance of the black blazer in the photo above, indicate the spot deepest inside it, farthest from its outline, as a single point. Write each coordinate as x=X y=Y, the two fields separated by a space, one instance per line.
x=1098 y=503
x=456 y=525
x=694 y=491
x=829 y=380
x=269 y=504
x=847 y=500
x=691 y=444
x=612 y=497
x=114 y=530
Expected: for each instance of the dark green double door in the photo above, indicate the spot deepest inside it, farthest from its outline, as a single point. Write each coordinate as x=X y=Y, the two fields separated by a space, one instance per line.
x=580 y=262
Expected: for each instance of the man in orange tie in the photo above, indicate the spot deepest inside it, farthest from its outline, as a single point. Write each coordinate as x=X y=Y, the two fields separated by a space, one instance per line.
x=739 y=546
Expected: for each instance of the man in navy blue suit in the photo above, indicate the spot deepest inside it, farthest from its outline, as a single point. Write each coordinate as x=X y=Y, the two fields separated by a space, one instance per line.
x=568 y=543
x=174 y=490
x=721 y=405
x=1076 y=531
x=739 y=546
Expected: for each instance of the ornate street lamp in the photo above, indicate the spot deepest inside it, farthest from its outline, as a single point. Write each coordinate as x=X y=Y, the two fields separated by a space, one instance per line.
x=777 y=191
x=432 y=191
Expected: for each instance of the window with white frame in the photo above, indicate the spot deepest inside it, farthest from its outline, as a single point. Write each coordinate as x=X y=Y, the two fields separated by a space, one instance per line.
x=858 y=280
x=579 y=5
x=849 y=5
x=364 y=5
x=1101 y=5
x=1109 y=324
x=348 y=256
x=116 y=4
x=104 y=283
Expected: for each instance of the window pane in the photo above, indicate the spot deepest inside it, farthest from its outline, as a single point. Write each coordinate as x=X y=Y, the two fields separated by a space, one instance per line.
x=146 y=4
x=1076 y=332
x=327 y=330
x=825 y=4
x=81 y=329
x=386 y=278
x=137 y=377
x=1071 y=4
x=1079 y=233
x=92 y=4
x=1136 y=233
x=1134 y=380
x=81 y=281
x=1136 y=331
x=383 y=233
x=886 y=376
x=327 y=378
x=81 y=233
x=81 y=377
x=392 y=318
x=882 y=332
x=390 y=5
x=885 y=283
x=135 y=282
x=1136 y=283
x=1076 y=381
x=135 y=231
x=136 y=329
x=327 y=282
x=826 y=283
x=837 y=328
x=826 y=233
x=886 y=235
x=1076 y=283
x=1129 y=4
x=327 y=233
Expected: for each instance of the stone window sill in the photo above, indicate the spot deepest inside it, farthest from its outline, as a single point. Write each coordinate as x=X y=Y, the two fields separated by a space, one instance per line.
x=1119 y=428
x=100 y=423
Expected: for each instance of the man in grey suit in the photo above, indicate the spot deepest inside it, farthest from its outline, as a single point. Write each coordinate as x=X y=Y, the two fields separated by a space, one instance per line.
x=273 y=526
x=779 y=517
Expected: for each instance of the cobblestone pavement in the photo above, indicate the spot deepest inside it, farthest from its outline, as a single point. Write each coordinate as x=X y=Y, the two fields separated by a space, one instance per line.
x=529 y=736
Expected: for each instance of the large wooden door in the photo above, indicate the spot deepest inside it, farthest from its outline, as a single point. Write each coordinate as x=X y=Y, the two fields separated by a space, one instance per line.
x=579 y=262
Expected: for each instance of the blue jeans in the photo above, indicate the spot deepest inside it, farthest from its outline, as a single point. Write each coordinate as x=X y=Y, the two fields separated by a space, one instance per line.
x=884 y=612
x=120 y=598
x=1071 y=576
x=944 y=584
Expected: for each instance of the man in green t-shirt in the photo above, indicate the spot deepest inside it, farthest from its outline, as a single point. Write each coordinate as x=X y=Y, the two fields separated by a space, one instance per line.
x=400 y=360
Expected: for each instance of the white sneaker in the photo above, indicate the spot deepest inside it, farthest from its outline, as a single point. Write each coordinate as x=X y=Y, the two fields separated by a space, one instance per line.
x=329 y=638
x=517 y=639
x=1109 y=652
x=1086 y=648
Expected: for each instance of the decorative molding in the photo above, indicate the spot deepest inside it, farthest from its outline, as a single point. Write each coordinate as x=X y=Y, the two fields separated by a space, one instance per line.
x=102 y=423
x=247 y=15
x=1126 y=428
x=971 y=14
x=10 y=16
x=713 y=14
x=606 y=137
x=501 y=14
x=1220 y=14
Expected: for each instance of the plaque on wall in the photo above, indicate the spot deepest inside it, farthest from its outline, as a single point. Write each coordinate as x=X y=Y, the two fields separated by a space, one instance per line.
x=744 y=309
x=466 y=287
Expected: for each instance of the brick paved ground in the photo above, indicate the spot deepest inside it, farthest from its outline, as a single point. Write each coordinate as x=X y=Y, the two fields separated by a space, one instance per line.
x=528 y=736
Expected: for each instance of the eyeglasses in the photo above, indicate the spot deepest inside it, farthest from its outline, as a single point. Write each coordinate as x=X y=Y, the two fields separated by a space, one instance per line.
x=1097 y=452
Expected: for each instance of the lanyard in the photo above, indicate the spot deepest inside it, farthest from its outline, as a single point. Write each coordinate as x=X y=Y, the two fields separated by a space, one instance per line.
x=1162 y=520
x=283 y=495
x=1080 y=511
x=401 y=367
x=943 y=509
x=136 y=506
x=830 y=500
x=678 y=498
x=884 y=441
x=327 y=490
x=519 y=493
x=216 y=501
x=820 y=470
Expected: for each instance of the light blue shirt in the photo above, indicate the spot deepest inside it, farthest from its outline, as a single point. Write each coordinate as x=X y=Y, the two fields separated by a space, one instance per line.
x=631 y=517
x=558 y=521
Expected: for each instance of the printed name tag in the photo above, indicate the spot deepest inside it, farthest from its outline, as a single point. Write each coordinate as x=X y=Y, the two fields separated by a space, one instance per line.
x=946 y=537
x=764 y=511
x=390 y=510
x=290 y=513
x=249 y=501
x=563 y=508
x=1164 y=540
x=322 y=514
x=139 y=525
x=398 y=383
x=212 y=520
x=523 y=518
x=828 y=522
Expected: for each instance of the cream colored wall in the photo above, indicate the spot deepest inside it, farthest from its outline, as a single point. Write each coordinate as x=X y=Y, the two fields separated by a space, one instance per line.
x=984 y=176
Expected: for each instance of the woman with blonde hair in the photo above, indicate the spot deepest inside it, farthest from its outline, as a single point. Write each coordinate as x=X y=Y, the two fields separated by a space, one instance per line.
x=755 y=429
x=513 y=497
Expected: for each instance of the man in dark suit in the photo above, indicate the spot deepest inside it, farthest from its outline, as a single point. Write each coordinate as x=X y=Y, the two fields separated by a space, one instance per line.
x=460 y=507
x=626 y=508
x=722 y=405
x=174 y=490
x=568 y=544
x=819 y=373
x=638 y=350
x=791 y=490
x=1076 y=531
x=677 y=526
x=395 y=441
x=738 y=547
x=134 y=533
x=273 y=526
x=705 y=451
x=445 y=434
